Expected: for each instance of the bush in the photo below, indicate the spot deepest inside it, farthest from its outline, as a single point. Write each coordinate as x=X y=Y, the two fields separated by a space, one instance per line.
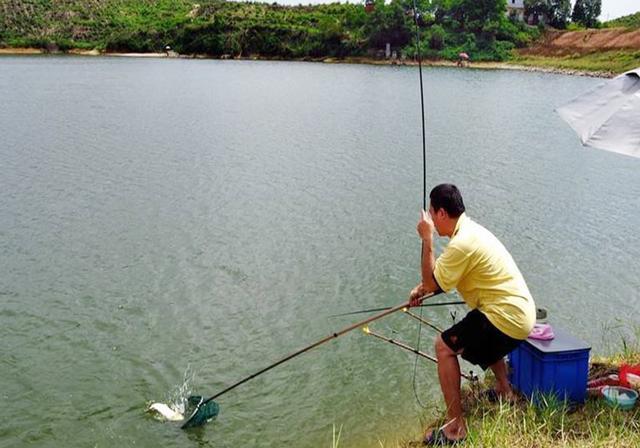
x=451 y=53
x=575 y=27
x=503 y=49
x=201 y=38
x=136 y=41
x=522 y=39
x=437 y=36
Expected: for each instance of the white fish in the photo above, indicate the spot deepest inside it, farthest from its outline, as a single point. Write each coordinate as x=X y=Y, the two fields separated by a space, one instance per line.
x=166 y=412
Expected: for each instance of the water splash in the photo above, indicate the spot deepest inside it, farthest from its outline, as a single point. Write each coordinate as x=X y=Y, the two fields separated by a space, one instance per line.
x=177 y=398
x=179 y=394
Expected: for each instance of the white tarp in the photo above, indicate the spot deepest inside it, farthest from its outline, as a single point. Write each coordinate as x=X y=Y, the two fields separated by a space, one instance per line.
x=608 y=117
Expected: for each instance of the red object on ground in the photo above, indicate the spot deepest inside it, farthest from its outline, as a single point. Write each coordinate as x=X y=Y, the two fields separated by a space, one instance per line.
x=609 y=380
x=630 y=376
x=595 y=386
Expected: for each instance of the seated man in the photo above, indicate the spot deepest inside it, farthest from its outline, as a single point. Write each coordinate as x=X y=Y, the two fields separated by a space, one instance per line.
x=502 y=309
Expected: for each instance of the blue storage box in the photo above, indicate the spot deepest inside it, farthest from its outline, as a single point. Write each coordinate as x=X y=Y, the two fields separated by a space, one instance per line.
x=557 y=367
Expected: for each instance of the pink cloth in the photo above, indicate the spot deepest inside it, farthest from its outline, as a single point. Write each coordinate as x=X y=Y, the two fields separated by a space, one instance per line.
x=543 y=332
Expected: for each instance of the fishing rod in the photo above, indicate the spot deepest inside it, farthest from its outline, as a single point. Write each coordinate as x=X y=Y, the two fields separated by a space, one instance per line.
x=421 y=320
x=204 y=412
x=373 y=310
x=470 y=377
x=424 y=130
x=416 y=15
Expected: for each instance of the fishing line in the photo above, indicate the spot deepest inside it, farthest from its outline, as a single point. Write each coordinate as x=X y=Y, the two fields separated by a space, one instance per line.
x=424 y=183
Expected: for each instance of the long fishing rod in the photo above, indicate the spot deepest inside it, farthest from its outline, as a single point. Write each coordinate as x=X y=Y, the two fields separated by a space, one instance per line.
x=373 y=310
x=200 y=416
x=470 y=377
x=424 y=176
x=424 y=130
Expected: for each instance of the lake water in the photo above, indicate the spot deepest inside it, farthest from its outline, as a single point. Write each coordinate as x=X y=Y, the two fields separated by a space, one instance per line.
x=170 y=226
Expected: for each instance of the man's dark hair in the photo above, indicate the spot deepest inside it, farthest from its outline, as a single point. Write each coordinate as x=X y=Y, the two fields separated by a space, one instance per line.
x=448 y=197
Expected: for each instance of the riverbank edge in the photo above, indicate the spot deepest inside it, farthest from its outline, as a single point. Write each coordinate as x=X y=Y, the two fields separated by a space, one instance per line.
x=523 y=424
x=348 y=60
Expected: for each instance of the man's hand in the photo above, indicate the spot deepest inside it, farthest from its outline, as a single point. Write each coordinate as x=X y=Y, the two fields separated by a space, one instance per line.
x=415 y=295
x=425 y=227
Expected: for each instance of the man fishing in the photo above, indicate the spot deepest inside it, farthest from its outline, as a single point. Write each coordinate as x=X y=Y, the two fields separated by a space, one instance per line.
x=484 y=273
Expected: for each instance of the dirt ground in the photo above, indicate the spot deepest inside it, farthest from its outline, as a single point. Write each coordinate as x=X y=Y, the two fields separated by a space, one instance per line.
x=565 y=43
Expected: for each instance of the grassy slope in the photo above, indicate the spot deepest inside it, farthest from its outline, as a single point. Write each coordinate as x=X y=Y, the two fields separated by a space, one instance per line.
x=523 y=425
x=608 y=62
x=609 y=50
x=193 y=27
x=85 y=23
x=630 y=21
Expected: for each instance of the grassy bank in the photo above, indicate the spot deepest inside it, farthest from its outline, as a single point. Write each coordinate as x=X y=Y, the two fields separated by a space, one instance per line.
x=524 y=425
x=606 y=62
x=340 y=32
x=230 y=29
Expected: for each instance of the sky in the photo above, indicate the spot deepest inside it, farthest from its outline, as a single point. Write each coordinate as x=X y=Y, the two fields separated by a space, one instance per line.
x=611 y=9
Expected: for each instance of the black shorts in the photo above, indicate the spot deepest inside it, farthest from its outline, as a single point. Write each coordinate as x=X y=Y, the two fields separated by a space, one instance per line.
x=481 y=342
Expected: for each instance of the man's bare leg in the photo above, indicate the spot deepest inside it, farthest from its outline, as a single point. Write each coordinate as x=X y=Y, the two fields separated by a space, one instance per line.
x=449 y=375
x=503 y=387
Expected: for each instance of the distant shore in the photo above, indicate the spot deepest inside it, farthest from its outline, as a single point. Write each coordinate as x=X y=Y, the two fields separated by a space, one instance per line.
x=349 y=60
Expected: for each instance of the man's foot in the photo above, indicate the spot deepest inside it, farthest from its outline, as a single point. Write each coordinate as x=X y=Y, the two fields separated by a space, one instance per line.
x=494 y=396
x=437 y=437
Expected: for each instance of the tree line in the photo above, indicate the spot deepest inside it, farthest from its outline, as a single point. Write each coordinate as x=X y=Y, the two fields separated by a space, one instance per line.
x=480 y=28
x=558 y=12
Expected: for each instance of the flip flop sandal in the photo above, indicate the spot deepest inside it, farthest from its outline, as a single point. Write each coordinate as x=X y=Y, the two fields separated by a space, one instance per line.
x=439 y=438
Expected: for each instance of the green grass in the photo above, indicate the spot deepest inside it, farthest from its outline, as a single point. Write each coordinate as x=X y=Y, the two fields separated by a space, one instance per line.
x=553 y=424
x=615 y=62
x=550 y=423
x=335 y=440
x=630 y=21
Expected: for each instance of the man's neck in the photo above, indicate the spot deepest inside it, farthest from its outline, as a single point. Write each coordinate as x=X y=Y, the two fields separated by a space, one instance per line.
x=451 y=226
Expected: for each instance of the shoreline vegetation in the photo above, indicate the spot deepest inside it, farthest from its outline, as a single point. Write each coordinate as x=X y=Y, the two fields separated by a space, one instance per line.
x=552 y=423
x=378 y=33
x=548 y=65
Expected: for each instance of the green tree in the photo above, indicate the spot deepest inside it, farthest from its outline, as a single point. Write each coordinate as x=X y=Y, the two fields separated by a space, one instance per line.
x=559 y=13
x=539 y=7
x=578 y=12
x=592 y=9
x=388 y=24
x=478 y=13
x=587 y=12
x=437 y=37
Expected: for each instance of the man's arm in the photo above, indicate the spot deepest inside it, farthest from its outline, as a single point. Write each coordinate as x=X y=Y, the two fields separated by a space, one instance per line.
x=429 y=284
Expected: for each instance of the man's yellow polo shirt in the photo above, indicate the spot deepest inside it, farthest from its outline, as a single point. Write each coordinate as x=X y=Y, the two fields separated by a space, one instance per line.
x=484 y=273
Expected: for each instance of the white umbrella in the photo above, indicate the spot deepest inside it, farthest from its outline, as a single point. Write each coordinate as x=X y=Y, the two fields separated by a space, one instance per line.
x=608 y=117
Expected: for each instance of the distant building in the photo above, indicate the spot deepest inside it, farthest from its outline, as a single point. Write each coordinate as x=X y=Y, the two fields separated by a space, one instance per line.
x=515 y=9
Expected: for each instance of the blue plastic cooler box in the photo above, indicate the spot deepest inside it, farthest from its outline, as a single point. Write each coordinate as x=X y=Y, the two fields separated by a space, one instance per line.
x=557 y=367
